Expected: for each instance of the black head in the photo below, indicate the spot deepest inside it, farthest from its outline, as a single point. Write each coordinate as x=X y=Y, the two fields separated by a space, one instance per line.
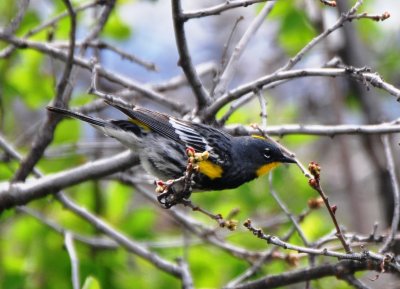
x=260 y=155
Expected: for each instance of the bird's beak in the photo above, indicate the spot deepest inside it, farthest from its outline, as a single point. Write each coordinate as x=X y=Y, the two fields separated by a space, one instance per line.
x=287 y=159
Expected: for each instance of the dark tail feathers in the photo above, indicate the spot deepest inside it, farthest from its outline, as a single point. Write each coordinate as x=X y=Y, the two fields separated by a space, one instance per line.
x=89 y=119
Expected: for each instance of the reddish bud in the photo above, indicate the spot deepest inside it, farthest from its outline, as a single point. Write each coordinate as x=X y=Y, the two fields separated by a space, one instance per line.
x=313 y=183
x=385 y=15
x=315 y=203
x=190 y=151
x=334 y=209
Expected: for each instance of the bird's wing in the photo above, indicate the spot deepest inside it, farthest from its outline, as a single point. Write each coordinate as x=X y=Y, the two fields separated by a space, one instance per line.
x=177 y=130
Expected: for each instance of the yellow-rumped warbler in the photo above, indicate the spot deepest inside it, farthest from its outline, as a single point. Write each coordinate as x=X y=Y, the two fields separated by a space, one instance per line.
x=161 y=142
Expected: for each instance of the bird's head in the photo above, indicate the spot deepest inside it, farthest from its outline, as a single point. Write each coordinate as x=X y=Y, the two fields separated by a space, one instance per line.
x=261 y=155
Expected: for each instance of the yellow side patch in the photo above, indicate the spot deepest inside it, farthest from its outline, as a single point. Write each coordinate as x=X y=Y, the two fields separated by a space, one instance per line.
x=266 y=168
x=210 y=169
x=139 y=123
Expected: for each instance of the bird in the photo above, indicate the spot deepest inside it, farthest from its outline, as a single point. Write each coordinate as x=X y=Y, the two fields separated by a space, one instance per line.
x=161 y=142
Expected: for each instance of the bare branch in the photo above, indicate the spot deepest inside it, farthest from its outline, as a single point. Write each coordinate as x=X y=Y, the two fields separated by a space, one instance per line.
x=230 y=67
x=366 y=255
x=6 y=52
x=321 y=130
x=396 y=196
x=218 y=9
x=284 y=208
x=86 y=64
x=46 y=132
x=94 y=242
x=371 y=78
x=15 y=194
x=16 y=21
x=100 y=44
x=187 y=279
x=339 y=23
x=302 y=275
x=353 y=281
x=185 y=60
x=121 y=239
x=69 y=244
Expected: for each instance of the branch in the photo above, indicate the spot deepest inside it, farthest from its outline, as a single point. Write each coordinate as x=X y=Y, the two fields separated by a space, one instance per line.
x=284 y=208
x=16 y=21
x=100 y=44
x=6 y=52
x=321 y=130
x=86 y=64
x=16 y=194
x=366 y=256
x=318 y=272
x=121 y=239
x=315 y=183
x=69 y=244
x=46 y=132
x=185 y=60
x=204 y=233
x=230 y=67
x=396 y=196
x=366 y=77
x=94 y=242
x=339 y=23
x=217 y=9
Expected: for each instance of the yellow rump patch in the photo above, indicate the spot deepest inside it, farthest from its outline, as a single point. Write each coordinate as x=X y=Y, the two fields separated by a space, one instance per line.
x=266 y=168
x=139 y=123
x=210 y=169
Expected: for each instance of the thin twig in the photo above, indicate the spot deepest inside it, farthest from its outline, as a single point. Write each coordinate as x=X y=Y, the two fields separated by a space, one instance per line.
x=187 y=279
x=114 y=77
x=396 y=195
x=234 y=106
x=353 y=281
x=230 y=67
x=94 y=242
x=120 y=238
x=271 y=239
x=338 y=24
x=315 y=183
x=69 y=245
x=16 y=21
x=287 y=212
x=6 y=52
x=263 y=108
x=218 y=9
x=256 y=266
x=100 y=44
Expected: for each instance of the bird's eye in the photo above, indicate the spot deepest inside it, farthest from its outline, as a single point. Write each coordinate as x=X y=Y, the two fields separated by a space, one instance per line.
x=266 y=154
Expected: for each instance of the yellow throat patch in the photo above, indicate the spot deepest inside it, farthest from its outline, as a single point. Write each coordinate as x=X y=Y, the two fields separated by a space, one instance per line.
x=266 y=168
x=210 y=169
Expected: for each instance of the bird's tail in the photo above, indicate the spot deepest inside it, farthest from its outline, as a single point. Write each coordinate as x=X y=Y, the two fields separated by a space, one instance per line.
x=89 y=119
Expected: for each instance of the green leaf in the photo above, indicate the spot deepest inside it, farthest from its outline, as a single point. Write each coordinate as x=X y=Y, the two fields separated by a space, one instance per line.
x=91 y=283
